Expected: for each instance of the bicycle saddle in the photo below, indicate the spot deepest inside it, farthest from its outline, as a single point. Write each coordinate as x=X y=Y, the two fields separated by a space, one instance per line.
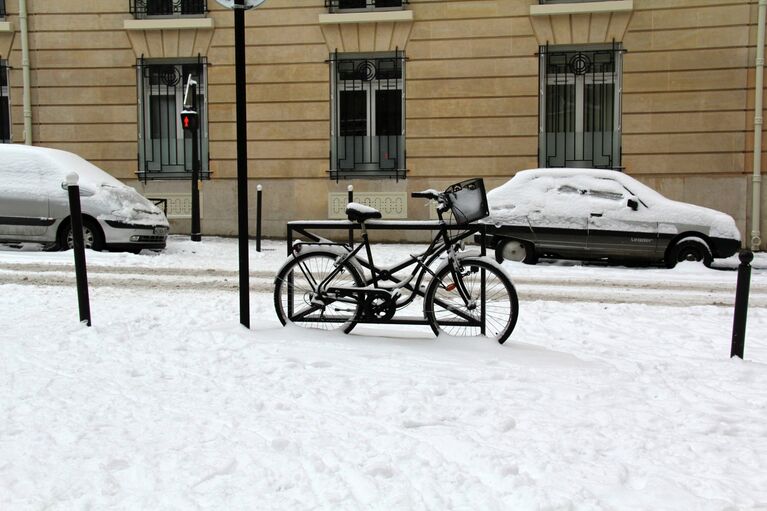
x=359 y=212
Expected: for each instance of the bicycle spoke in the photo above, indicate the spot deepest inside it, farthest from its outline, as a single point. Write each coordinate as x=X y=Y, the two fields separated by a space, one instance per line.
x=453 y=315
x=299 y=295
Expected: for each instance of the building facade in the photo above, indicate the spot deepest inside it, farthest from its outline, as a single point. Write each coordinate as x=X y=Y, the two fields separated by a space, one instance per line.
x=391 y=96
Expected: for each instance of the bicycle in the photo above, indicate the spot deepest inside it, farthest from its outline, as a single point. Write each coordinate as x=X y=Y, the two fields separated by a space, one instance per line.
x=323 y=285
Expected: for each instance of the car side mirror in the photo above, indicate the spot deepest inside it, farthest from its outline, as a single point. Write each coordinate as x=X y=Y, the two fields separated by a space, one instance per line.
x=633 y=204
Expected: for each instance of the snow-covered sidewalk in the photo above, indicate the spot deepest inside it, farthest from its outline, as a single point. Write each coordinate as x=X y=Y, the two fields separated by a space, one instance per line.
x=167 y=403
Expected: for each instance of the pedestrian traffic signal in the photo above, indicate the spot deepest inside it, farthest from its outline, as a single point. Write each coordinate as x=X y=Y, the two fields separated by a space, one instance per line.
x=189 y=120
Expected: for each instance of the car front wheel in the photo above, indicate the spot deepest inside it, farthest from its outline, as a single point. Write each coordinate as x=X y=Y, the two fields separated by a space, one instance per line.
x=92 y=236
x=689 y=250
x=515 y=250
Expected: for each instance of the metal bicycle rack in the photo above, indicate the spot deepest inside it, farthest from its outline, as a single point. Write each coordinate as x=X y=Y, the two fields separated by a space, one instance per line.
x=303 y=229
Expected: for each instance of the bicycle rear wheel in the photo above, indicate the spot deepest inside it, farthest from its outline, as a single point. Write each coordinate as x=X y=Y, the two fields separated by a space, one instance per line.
x=493 y=301
x=298 y=301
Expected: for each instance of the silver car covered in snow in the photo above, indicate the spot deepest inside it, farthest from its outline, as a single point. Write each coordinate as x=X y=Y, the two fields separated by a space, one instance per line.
x=34 y=205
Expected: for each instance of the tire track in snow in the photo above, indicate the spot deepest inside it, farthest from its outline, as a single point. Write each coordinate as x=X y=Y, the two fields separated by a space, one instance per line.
x=567 y=289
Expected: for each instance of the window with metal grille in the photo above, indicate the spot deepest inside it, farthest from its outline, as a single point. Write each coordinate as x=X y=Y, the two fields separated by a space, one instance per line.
x=368 y=115
x=5 y=104
x=364 y=5
x=580 y=107
x=169 y=8
x=165 y=148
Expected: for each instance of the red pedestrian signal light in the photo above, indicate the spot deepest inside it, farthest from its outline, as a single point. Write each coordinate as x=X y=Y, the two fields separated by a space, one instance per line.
x=189 y=120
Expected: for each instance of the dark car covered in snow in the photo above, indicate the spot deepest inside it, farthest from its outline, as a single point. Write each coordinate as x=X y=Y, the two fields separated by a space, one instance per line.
x=593 y=214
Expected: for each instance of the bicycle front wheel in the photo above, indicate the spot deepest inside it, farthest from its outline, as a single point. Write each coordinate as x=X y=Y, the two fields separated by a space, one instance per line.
x=492 y=308
x=298 y=298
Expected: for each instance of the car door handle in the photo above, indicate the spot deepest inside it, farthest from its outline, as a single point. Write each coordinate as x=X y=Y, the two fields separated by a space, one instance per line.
x=596 y=214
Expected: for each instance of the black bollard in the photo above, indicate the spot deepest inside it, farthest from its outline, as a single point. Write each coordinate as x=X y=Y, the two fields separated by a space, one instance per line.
x=259 y=192
x=76 y=221
x=350 y=190
x=741 y=304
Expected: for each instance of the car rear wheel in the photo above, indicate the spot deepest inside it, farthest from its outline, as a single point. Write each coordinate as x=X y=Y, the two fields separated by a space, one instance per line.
x=689 y=250
x=515 y=250
x=92 y=236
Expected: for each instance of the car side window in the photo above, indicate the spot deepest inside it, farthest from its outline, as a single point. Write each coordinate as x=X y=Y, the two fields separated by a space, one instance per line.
x=602 y=194
x=569 y=189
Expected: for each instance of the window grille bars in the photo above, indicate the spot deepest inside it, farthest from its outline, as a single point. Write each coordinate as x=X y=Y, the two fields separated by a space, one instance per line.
x=363 y=5
x=165 y=149
x=5 y=106
x=580 y=107
x=2 y=9
x=170 y=8
x=367 y=129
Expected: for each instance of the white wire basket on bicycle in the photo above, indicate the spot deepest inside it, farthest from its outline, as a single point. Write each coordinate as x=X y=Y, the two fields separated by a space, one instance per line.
x=467 y=201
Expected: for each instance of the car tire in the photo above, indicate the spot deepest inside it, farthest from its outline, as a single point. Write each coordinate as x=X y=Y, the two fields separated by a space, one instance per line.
x=92 y=235
x=689 y=250
x=515 y=250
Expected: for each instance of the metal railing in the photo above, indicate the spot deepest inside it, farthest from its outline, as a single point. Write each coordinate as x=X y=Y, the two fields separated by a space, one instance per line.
x=369 y=157
x=169 y=8
x=364 y=5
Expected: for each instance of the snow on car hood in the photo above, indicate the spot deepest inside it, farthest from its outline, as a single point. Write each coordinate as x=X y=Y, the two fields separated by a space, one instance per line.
x=554 y=198
x=126 y=205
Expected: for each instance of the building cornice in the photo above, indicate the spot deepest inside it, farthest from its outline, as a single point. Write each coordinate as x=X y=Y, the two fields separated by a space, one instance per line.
x=581 y=22
x=582 y=8
x=170 y=24
x=366 y=17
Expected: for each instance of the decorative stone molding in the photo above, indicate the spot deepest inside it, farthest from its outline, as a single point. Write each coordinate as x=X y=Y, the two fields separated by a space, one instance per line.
x=171 y=37
x=581 y=23
x=6 y=26
x=366 y=31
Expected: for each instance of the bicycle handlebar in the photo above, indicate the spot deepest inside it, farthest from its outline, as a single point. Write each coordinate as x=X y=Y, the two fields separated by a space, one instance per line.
x=426 y=194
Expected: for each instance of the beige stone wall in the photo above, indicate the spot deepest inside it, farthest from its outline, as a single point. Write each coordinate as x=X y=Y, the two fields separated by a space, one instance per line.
x=686 y=95
x=471 y=94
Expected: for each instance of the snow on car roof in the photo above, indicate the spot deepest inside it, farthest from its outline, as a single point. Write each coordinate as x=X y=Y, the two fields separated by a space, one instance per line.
x=55 y=162
x=559 y=195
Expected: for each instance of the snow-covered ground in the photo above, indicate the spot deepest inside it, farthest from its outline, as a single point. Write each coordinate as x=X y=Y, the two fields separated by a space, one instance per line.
x=612 y=393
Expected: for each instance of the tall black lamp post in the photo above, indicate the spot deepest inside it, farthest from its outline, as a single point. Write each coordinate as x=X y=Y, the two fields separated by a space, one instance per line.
x=239 y=7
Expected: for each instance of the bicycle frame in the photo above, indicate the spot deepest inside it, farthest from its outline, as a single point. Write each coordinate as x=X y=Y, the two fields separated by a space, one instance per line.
x=442 y=242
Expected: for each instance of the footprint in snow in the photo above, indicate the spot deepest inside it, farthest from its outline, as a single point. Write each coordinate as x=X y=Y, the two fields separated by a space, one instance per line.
x=507 y=425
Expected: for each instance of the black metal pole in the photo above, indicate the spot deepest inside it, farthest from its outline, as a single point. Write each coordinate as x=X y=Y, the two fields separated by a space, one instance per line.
x=259 y=193
x=196 y=236
x=741 y=304
x=81 y=275
x=242 y=160
x=350 y=190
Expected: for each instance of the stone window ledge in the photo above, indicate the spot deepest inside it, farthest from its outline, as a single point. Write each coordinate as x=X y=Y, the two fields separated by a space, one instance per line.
x=366 y=17
x=582 y=8
x=169 y=24
x=6 y=26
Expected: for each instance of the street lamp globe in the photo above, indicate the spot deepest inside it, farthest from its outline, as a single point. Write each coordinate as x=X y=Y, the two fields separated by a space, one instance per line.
x=246 y=4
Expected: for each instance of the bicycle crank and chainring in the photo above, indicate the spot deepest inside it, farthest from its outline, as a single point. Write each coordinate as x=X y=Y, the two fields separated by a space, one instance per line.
x=380 y=305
